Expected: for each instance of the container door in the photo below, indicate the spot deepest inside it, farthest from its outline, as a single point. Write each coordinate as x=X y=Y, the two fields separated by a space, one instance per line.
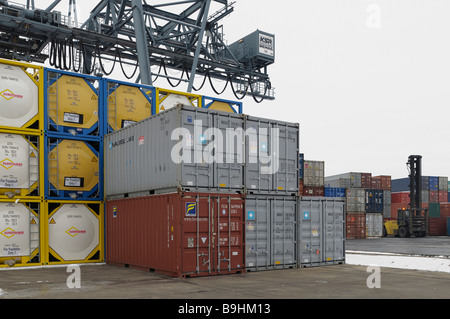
x=227 y=233
x=212 y=235
x=286 y=175
x=257 y=235
x=333 y=224
x=283 y=232
x=197 y=243
x=199 y=172
x=229 y=164
x=310 y=232
x=259 y=174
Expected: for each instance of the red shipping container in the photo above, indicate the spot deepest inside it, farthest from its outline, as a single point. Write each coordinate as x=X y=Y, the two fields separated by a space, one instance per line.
x=401 y=197
x=315 y=191
x=177 y=234
x=445 y=210
x=437 y=226
x=434 y=197
x=395 y=207
x=356 y=225
x=376 y=183
x=443 y=196
x=366 y=180
x=385 y=181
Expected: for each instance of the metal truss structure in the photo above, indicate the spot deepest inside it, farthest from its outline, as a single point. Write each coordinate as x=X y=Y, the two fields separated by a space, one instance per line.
x=171 y=35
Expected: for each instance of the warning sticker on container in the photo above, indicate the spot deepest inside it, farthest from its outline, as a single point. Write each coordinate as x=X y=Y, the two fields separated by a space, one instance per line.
x=250 y=215
x=306 y=215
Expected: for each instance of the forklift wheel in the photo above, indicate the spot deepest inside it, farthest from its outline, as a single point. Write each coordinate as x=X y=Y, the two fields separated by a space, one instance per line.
x=403 y=232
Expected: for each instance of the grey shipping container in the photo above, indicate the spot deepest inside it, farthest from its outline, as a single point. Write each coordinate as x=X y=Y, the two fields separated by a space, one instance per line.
x=443 y=183
x=355 y=179
x=356 y=200
x=168 y=151
x=374 y=225
x=314 y=173
x=339 y=183
x=321 y=231
x=270 y=232
x=272 y=148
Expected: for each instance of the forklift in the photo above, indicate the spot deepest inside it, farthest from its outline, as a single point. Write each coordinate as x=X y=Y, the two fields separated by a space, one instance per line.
x=413 y=220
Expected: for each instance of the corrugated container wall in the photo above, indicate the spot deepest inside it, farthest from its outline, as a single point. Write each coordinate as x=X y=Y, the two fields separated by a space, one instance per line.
x=180 y=235
x=374 y=200
x=143 y=157
x=272 y=149
x=314 y=173
x=336 y=180
x=270 y=232
x=356 y=200
x=321 y=232
x=374 y=225
x=355 y=225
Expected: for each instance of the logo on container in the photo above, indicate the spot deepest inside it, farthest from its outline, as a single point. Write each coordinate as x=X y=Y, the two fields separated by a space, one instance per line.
x=72 y=231
x=214 y=145
x=191 y=209
x=7 y=163
x=8 y=232
x=8 y=95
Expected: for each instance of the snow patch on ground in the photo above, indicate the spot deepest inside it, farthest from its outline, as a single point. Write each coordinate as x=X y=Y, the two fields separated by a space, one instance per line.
x=425 y=263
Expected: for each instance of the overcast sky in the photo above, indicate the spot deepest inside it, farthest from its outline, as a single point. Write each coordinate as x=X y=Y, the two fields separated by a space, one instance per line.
x=368 y=80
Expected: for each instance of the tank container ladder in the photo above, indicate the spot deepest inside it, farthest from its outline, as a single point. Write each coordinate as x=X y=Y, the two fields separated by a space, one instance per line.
x=52 y=96
x=34 y=234
x=53 y=163
x=33 y=169
x=112 y=106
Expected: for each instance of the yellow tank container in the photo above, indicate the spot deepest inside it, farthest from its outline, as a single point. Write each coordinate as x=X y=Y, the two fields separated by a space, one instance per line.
x=20 y=233
x=73 y=169
x=72 y=103
x=21 y=96
x=74 y=232
x=166 y=99
x=222 y=105
x=127 y=104
x=21 y=165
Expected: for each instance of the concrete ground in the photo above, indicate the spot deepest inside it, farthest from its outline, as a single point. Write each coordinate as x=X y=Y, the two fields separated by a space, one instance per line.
x=101 y=281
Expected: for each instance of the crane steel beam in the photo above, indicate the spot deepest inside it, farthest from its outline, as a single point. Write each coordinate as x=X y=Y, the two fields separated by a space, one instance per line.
x=137 y=33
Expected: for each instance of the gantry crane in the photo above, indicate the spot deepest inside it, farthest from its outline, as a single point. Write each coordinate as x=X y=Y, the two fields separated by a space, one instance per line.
x=176 y=35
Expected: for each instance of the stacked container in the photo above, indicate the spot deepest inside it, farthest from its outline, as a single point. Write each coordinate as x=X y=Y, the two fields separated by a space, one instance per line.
x=207 y=175
x=313 y=178
x=22 y=230
x=368 y=200
x=73 y=151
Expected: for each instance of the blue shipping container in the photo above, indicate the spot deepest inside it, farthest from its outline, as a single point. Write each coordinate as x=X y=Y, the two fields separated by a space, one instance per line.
x=374 y=200
x=433 y=183
x=400 y=185
x=334 y=192
x=301 y=159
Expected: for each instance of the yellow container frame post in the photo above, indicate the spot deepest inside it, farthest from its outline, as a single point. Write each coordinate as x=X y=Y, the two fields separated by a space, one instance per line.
x=37 y=252
x=163 y=95
x=55 y=257
x=37 y=186
x=35 y=124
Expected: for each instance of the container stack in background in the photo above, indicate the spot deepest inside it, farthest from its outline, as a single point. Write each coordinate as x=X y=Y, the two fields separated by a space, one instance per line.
x=22 y=213
x=73 y=163
x=367 y=201
x=434 y=197
x=320 y=219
